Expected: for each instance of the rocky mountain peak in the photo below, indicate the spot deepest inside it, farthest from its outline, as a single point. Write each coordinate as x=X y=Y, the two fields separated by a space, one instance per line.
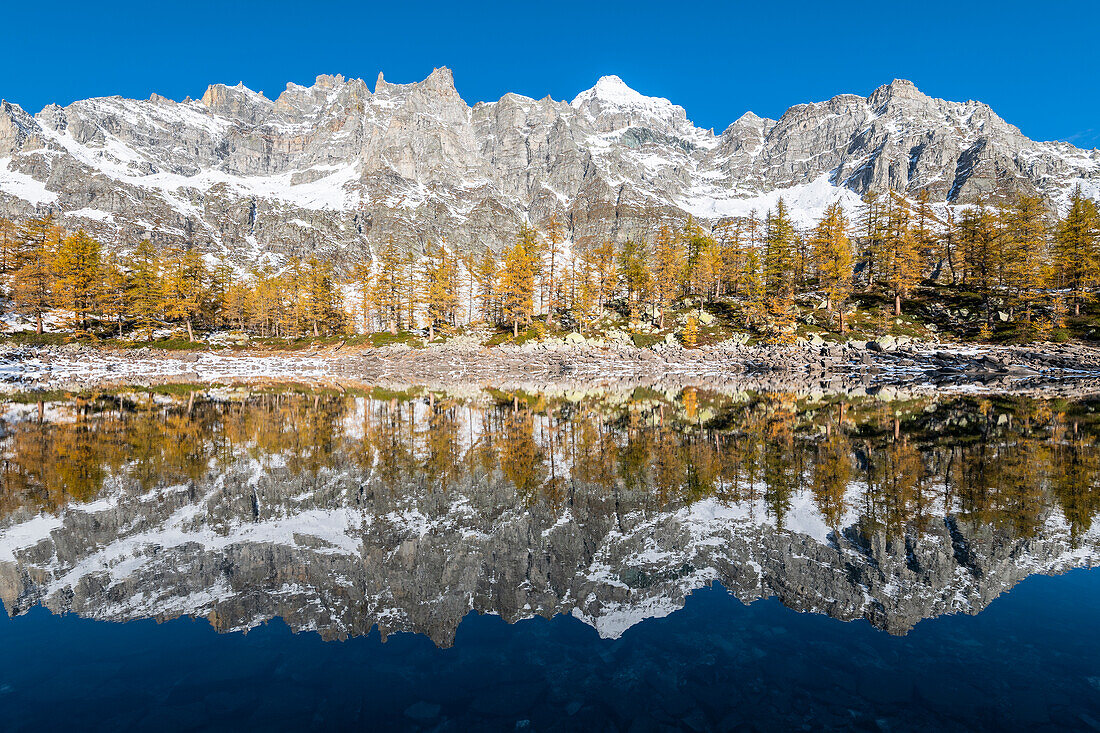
x=16 y=126
x=612 y=105
x=238 y=102
x=325 y=81
x=748 y=121
x=440 y=83
x=441 y=79
x=903 y=96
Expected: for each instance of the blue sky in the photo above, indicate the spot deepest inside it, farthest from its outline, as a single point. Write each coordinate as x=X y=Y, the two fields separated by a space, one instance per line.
x=1037 y=65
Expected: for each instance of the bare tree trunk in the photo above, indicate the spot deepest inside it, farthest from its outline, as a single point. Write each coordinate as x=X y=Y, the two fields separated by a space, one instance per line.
x=190 y=333
x=897 y=304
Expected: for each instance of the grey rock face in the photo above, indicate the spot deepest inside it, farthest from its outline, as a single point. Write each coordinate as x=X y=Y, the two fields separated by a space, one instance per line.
x=337 y=168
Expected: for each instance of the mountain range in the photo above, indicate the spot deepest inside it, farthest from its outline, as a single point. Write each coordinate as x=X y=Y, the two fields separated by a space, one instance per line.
x=336 y=168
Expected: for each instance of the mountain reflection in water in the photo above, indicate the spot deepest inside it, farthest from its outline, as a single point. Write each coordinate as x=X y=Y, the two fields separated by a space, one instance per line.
x=340 y=512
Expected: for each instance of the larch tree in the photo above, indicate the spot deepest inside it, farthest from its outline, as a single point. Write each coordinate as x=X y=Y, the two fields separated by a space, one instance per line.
x=145 y=287
x=871 y=236
x=603 y=258
x=779 y=271
x=441 y=288
x=361 y=280
x=668 y=268
x=116 y=290
x=183 y=285
x=586 y=298
x=33 y=281
x=517 y=280
x=240 y=302
x=388 y=288
x=979 y=240
x=555 y=239
x=1076 y=241
x=486 y=273
x=634 y=273
x=79 y=278
x=321 y=297
x=900 y=259
x=1023 y=252
x=833 y=253
x=711 y=267
x=9 y=239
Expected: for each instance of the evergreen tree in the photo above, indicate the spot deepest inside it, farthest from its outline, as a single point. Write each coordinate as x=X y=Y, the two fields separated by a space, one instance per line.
x=871 y=236
x=731 y=254
x=753 y=286
x=925 y=231
x=216 y=306
x=411 y=288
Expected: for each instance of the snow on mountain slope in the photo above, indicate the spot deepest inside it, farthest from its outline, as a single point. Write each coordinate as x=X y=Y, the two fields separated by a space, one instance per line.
x=238 y=172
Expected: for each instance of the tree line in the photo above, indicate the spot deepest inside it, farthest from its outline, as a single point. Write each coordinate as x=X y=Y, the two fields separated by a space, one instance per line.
x=1015 y=254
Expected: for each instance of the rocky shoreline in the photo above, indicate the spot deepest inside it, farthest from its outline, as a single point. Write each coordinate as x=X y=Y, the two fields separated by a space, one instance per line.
x=1049 y=370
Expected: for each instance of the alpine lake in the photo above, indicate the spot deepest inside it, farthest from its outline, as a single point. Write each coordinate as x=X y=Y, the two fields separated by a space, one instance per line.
x=228 y=558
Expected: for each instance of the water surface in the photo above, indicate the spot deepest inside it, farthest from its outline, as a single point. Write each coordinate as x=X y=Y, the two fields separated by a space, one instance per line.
x=702 y=560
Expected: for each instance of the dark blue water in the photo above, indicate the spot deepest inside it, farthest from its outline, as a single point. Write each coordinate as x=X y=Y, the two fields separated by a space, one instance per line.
x=1031 y=660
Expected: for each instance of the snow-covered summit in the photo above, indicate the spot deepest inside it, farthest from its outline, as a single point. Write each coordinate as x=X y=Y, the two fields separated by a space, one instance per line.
x=611 y=104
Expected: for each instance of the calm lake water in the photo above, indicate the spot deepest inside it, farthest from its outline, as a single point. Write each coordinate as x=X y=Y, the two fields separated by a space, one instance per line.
x=190 y=559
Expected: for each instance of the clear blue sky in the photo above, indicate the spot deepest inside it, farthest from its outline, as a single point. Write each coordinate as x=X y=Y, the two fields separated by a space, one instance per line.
x=1037 y=64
